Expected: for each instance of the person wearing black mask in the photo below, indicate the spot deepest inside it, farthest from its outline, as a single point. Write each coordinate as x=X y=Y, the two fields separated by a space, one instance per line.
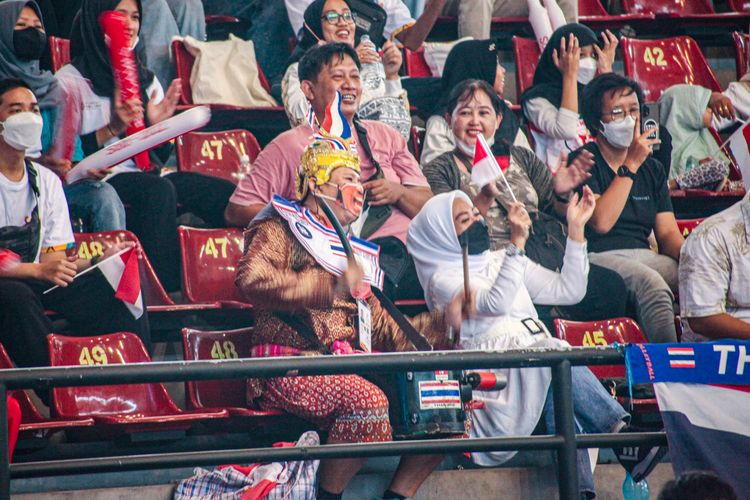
x=23 y=41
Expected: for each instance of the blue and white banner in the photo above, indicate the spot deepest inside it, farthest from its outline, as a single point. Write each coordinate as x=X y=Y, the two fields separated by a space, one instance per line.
x=703 y=390
x=325 y=245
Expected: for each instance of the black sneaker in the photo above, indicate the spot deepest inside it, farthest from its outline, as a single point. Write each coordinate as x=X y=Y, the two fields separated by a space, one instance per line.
x=639 y=461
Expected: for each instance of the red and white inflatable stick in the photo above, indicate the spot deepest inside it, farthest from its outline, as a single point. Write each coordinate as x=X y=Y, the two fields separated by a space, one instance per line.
x=125 y=70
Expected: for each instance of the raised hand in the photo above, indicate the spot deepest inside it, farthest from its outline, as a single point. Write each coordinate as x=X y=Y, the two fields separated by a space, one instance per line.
x=124 y=113
x=721 y=106
x=571 y=175
x=567 y=57
x=580 y=210
x=165 y=109
x=391 y=59
x=605 y=55
x=520 y=224
x=640 y=148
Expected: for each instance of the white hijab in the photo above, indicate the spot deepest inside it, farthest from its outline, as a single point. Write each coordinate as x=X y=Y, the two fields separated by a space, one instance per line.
x=434 y=246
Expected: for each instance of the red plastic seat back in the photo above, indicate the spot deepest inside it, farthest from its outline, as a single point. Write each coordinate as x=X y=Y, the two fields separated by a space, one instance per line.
x=29 y=411
x=601 y=333
x=183 y=63
x=90 y=401
x=526 y=53
x=209 y=263
x=588 y=8
x=741 y=45
x=739 y=5
x=659 y=64
x=667 y=7
x=59 y=49
x=415 y=64
x=93 y=244
x=217 y=154
x=687 y=226
x=207 y=345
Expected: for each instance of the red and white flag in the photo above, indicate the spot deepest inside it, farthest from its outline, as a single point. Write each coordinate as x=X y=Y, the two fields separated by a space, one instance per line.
x=739 y=143
x=123 y=275
x=485 y=168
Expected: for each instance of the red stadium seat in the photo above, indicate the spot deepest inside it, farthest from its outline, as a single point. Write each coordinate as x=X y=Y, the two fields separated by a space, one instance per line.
x=683 y=11
x=603 y=333
x=59 y=49
x=32 y=421
x=230 y=393
x=592 y=14
x=154 y=295
x=209 y=265
x=415 y=64
x=739 y=5
x=218 y=154
x=741 y=46
x=659 y=64
x=526 y=54
x=687 y=226
x=130 y=408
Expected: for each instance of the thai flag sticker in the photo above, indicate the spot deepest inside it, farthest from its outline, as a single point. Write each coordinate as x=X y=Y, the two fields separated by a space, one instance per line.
x=439 y=395
x=681 y=357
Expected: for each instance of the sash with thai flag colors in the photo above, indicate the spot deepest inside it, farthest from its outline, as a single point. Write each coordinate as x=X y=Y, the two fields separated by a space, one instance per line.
x=324 y=244
x=703 y=391
x=739 y=143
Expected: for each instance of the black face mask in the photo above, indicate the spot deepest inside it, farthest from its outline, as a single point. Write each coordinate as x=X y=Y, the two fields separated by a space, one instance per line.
x=476 y=238
x=29 y=43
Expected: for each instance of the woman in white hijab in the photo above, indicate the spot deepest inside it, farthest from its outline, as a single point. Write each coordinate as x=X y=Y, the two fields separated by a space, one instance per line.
x=500 y=314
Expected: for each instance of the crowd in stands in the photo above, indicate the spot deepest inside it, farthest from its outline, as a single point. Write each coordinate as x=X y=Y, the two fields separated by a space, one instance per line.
x=580 y=224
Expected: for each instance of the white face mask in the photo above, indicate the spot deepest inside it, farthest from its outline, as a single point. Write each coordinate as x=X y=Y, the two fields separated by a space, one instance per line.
x=468 y=149
x=619 y=134
x=22 y=131
x=586 y=70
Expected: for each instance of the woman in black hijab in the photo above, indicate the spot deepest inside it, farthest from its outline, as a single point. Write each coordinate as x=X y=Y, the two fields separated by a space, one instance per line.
x=98 y=116
x=570 y=60
x=471 y=60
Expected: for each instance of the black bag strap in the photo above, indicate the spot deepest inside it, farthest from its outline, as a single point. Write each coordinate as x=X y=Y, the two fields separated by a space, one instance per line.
x=365 y=144
x=417 y=339
x=303 y=329
x=376 y=216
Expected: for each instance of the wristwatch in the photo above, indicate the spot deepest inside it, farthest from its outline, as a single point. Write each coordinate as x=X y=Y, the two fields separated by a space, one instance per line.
x=512 y=250
x=624 y=171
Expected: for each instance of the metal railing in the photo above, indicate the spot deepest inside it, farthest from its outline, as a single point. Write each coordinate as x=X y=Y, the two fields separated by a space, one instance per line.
x=564 y=442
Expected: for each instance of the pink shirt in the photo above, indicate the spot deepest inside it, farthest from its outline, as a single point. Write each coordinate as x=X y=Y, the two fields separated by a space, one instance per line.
x=275 y=170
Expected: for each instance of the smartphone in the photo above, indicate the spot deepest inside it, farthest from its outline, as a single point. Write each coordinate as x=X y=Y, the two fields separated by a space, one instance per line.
x=650 y=121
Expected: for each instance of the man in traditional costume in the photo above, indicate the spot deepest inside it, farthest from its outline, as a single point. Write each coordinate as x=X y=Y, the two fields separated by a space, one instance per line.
x=296 y=276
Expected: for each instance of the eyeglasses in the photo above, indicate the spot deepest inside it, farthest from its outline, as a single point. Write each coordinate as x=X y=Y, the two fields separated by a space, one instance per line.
x=333 y=17
x=618 y=114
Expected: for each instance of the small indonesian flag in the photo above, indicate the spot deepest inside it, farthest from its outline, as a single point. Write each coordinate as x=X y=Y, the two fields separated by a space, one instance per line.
x=739 y=143
x=123 y=274
x=484 y=168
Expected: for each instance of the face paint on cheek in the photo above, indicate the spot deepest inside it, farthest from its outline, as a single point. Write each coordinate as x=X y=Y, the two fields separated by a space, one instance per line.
x=351 y=196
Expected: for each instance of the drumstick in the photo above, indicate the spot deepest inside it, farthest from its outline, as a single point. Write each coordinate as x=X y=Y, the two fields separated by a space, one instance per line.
x=467 y=288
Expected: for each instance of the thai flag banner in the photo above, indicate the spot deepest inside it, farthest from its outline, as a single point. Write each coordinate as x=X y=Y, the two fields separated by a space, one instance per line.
x=703 y=391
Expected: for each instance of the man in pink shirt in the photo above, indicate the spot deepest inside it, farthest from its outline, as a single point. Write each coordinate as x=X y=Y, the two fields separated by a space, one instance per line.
x=402 y=187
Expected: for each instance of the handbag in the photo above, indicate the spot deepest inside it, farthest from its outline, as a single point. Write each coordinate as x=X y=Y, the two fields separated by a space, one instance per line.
x=369 y=19
x=375 y=215
x=546 y=242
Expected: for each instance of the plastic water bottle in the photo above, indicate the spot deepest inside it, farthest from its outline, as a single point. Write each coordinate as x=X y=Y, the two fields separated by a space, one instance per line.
x=372 y=74
x=634 y=491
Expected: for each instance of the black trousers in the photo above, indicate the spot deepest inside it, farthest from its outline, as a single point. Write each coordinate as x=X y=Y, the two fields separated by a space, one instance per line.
x=401 y=281
x=90 y=309
x=152 y=213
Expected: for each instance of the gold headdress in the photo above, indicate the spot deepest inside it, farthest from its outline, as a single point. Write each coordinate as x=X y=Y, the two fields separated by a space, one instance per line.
x=332 y=147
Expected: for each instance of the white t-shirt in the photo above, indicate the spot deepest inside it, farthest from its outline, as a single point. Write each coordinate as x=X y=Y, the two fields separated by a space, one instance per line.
x=398 y=14
x=95 y=110
x=17 y=202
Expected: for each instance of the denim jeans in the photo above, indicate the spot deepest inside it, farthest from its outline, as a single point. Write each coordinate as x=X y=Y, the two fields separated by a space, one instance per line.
x=651 y=279
x=595 y=412
x=97 y=204
x=162 y=20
